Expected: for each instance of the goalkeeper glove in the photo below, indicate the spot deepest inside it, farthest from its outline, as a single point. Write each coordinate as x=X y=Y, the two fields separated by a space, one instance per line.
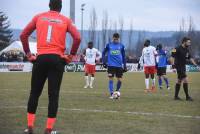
x=67 y=58
x=31 y=57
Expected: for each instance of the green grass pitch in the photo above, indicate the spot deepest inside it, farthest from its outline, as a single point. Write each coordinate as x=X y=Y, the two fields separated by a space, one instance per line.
x=90 y=111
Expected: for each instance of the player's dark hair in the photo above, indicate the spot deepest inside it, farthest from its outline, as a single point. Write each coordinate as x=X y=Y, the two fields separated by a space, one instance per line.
x=55 y=5
x=159 y=47
x=116 y=35
x=185 y=39
x=147 y=43
x=90 y=44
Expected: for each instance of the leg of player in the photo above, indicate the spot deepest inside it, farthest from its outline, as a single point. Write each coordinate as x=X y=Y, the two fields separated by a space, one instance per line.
x=86 y=80
x=153 y=88
x=119 y=83
x=147 y=83
x=91 y=80
x=160 y=81
x=54 y=81
x=185 y=87
x=92 y=72
x=166 y=81
x=39 y=75
x=110 y=85
x=119 y=75
x=177 y=89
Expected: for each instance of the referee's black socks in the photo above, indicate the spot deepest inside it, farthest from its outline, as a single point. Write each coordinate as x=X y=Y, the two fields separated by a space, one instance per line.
x=185 y=87
x=177 y=89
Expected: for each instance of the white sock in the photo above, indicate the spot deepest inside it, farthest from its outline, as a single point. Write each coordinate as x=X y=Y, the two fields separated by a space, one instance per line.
x=91 y=81
x=87 y=80
x=147 y=83
x=153 y=82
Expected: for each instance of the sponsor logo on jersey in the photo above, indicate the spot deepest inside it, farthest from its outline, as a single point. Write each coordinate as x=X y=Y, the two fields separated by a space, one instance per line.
x=115 y=52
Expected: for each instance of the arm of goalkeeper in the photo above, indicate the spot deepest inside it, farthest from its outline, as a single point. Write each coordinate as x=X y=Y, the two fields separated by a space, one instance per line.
x=31 y=57
x=67 y=58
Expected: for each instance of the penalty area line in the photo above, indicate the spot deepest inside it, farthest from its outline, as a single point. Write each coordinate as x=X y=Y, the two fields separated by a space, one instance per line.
x=112 y=111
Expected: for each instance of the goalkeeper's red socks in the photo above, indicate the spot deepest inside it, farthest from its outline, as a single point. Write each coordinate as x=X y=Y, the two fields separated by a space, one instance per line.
x=50 y=123
x=30 y=119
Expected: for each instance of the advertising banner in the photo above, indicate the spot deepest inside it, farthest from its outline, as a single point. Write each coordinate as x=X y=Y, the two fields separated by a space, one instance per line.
x=76 y=67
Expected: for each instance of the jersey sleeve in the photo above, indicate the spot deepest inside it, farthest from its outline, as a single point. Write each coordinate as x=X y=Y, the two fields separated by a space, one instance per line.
x=123 y=55
x=141 y=61
x=157 y=58
x=84 y=52
x=76 y=37
x=28 y=30
x=99 y=55
x=167 y=56
x=154 y=51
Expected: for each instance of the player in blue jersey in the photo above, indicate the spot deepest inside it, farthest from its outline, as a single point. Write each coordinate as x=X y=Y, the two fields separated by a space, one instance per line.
x=162 y=66
x=113 y=58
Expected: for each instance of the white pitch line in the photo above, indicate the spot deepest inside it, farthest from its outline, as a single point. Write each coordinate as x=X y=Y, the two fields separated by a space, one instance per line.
x=84 y=91
x=112 y=111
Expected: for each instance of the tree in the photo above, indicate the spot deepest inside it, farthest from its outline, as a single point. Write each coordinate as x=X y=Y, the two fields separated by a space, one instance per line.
x=93 y=26
x=140 y=42
x=110 y=31
x=104 y=28
x=191 y=33
x=194 y=36
x=5 y=32
x=130 y=39
x=181 y=33
x=121 y=28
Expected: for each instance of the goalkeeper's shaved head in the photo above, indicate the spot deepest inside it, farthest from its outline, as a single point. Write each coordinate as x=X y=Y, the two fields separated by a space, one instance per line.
x=55 y=5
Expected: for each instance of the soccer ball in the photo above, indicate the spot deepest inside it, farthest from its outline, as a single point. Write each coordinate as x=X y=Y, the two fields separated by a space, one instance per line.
x=116 y=95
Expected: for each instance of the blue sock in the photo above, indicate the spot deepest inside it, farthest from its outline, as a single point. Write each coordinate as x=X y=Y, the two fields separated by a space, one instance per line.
x=111 y=86
x=166 y=81
x=160 y=81
x=119 y=83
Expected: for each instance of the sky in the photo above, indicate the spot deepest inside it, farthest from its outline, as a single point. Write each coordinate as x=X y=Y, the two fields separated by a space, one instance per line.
x=150 y=15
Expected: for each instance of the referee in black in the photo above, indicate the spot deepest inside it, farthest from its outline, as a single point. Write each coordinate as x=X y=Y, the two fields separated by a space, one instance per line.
x=179 y=58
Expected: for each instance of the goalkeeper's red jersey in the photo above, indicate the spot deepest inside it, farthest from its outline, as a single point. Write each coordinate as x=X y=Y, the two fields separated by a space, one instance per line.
x=51 y=28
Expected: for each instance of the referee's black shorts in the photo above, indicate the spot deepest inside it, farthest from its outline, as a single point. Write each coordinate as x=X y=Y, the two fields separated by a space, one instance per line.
x=51 y=67
x=115 y=71
x=161 y=71
x=181 y=72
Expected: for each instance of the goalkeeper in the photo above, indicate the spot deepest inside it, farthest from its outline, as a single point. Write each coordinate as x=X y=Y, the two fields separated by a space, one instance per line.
x=51 y=28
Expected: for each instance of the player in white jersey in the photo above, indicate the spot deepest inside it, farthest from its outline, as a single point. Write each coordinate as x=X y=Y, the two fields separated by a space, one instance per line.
x=91 y=56
x=148 y=60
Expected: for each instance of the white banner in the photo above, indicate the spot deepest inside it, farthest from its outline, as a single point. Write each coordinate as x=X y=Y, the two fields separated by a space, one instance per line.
x=15 y=67
x=75 y=67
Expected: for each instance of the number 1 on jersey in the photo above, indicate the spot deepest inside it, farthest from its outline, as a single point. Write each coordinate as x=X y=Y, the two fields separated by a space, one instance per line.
x=49 y=33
